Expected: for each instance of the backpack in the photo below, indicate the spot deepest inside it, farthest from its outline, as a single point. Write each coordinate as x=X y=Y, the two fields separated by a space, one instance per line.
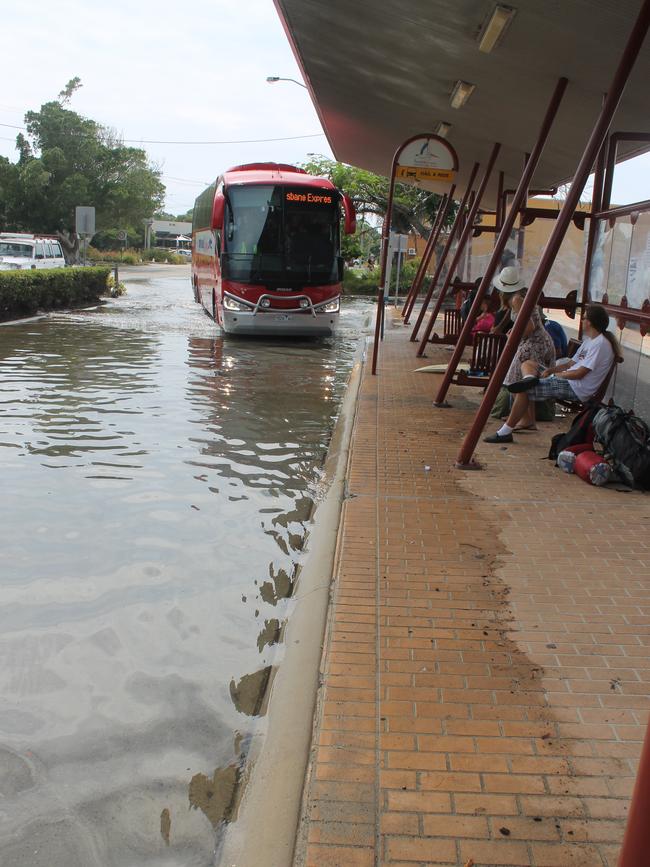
x=581 y=431
x=626 y=439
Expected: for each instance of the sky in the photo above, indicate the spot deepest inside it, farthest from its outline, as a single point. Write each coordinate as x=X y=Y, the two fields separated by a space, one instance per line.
x=168 y=71
x=165 y=71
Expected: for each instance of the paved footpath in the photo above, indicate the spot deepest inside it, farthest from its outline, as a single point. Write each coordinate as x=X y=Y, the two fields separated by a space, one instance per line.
x=486 y=669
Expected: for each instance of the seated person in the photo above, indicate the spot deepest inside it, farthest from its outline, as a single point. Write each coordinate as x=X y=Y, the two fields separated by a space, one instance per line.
x=502 y=317
x=577 y=379
x=558 y=336
x=485 y=319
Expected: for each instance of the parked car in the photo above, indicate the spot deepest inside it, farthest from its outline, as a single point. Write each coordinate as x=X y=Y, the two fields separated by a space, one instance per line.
x=20 y=252
x=186 y=254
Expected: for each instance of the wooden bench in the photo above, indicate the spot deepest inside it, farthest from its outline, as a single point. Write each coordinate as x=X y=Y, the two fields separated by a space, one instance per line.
x=486 y=350
x=451 y=327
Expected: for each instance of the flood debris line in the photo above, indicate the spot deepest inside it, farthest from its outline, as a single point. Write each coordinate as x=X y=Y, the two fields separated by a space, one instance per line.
x=466 y=714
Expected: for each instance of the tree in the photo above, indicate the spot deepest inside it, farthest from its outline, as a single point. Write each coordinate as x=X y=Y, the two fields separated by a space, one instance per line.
x=414 y=210
x=67 y=160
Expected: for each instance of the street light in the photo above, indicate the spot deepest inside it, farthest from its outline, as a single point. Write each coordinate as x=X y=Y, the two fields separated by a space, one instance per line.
x=271 y=79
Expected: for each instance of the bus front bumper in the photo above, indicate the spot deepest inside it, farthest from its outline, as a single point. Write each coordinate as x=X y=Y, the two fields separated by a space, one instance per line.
x=277 y=323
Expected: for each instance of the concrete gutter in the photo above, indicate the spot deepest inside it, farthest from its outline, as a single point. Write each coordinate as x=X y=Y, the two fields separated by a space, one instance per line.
x=266 y=827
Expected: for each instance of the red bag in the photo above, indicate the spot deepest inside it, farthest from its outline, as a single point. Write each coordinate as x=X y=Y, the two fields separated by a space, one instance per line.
x=592 y=468
x=580 y=448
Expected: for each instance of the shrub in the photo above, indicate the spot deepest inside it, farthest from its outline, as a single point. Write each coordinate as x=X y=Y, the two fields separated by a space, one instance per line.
x=23 y=293
x=360 y=282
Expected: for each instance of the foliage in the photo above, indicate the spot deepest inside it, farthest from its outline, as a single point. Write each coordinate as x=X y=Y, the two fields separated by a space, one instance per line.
x=131 y=256
x=175 y=218
x=364 y=282
x=115 y=289
x=366 y=241
x=23 y=293
x=360 y=282
x=66 y=160
x=413 y=209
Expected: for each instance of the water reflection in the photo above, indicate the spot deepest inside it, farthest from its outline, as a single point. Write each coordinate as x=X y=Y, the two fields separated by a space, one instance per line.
x=158 y=484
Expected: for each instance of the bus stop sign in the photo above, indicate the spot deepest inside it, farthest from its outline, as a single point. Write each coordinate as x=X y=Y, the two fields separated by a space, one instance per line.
x=84 y=221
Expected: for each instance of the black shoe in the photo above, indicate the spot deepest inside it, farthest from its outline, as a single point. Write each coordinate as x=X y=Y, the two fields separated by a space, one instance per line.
x=499 y=438
x=523 y=384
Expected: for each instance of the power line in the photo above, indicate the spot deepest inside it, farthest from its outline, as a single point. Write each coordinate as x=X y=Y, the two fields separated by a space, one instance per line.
x=225 y=142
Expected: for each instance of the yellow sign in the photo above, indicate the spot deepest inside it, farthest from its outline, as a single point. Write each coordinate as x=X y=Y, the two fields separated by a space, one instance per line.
x=420 y=173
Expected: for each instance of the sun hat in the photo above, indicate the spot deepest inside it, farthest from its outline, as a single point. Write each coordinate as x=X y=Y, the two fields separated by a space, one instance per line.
x=509 y=280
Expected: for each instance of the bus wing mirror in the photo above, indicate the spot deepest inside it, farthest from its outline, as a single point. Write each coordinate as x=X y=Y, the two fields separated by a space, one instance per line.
x=350 y=223
x=217 y=210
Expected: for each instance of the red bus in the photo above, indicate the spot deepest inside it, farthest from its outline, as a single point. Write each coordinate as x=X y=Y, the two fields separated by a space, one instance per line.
x=266 y=252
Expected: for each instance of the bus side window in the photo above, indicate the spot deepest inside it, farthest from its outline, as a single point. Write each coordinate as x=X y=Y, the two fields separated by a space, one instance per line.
x=39 y=250
x=48 y=250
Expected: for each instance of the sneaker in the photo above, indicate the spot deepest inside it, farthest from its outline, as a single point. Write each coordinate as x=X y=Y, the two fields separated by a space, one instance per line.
x=523 y=384
x=499 y=438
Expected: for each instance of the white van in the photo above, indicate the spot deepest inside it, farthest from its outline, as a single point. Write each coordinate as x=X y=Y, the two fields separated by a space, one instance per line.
x=22 y=252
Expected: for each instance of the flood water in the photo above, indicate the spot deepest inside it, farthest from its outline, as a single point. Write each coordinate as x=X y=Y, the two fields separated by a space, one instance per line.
x=157 y=483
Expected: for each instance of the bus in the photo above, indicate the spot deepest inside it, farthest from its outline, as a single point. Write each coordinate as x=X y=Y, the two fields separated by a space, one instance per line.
x=266 y=251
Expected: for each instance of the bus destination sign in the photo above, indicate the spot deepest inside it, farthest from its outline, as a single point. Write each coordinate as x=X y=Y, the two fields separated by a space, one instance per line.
x=307 y=197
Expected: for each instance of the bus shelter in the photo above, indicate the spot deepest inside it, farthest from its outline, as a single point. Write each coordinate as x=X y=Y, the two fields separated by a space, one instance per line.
x=531 y=96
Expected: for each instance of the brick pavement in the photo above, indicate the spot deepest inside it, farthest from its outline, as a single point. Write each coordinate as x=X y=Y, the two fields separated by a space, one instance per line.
x=485 y=674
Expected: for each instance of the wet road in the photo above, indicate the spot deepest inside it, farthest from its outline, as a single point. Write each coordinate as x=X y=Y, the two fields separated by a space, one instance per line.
x=158 y=481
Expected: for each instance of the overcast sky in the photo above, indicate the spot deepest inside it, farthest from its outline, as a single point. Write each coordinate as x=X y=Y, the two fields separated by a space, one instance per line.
x=173 y=71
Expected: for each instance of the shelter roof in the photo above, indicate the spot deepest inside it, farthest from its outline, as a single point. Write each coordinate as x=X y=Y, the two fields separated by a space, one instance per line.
x=379 y=72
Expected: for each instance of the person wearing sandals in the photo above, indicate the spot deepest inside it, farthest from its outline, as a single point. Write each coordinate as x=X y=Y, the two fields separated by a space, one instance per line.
x=536 y=345
x=577 y=379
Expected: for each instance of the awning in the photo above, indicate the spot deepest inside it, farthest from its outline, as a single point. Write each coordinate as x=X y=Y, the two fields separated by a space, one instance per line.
x=379 y=72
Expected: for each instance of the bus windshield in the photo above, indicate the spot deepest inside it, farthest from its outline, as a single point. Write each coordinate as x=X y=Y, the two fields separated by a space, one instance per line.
x=281 y=234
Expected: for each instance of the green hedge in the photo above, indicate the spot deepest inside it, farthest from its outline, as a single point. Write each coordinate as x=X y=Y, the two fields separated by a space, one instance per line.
x=23 y=293
x=360 y=282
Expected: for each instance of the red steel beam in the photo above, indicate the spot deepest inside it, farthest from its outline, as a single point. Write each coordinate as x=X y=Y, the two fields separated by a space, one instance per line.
x=636 y=841
x=460 y=249
x=498 y=214
x=426 y=257
x=596 y=205
x=502 y=240
x=549 y=254
x=445 y=252
x=385 y=237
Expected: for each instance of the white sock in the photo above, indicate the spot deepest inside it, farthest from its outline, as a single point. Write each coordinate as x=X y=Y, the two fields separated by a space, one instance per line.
x=529 y=376
x=504 y=430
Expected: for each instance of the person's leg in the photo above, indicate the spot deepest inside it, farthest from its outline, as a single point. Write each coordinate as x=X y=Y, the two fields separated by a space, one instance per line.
x=530 y=373
x=519 y=409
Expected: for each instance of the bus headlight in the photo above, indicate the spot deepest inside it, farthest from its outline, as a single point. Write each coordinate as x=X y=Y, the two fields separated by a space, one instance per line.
x=304 y=303
x=330 y=306
x=265 y=302
x=233 y=305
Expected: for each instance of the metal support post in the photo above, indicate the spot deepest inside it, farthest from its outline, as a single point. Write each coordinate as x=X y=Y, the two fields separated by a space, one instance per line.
x=397 y=275
x=412 y=294
x=596 y=203
x=636 y=841
x=443 y=256
x=560 y=228
x=498 y=213
x=502 y=240
x=466 y=234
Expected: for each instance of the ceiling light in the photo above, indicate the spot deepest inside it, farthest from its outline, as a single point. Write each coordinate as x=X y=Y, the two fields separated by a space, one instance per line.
x=494 y=28
x=461 y=93
x=443 y=129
